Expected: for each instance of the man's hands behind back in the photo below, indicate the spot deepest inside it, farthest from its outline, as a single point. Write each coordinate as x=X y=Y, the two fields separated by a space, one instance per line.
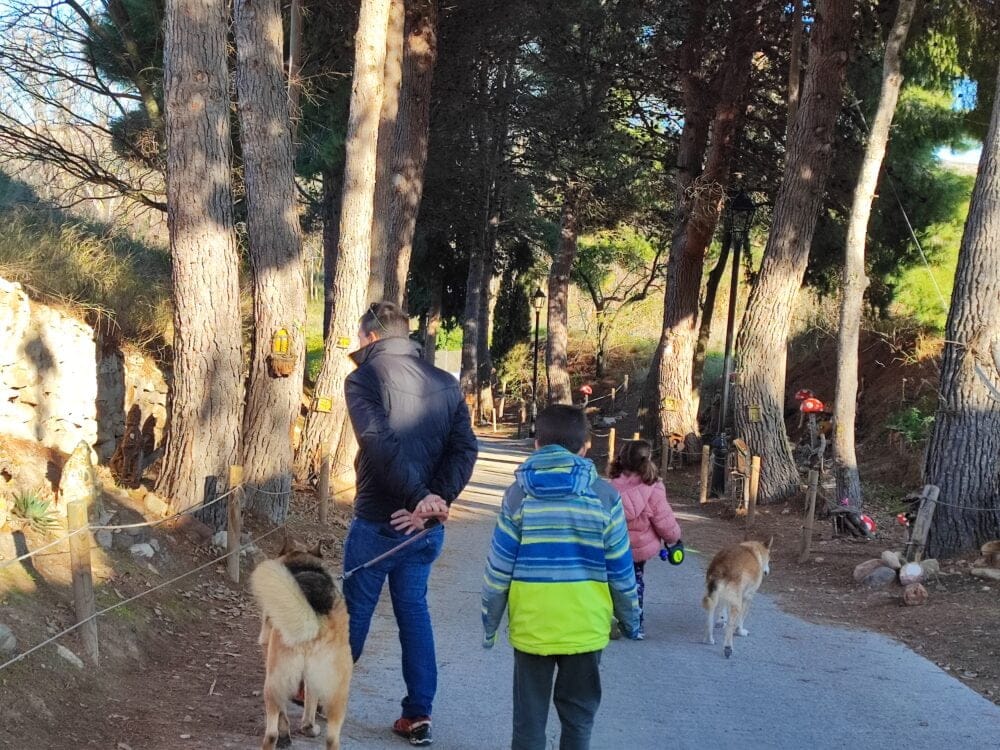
x=432 y=506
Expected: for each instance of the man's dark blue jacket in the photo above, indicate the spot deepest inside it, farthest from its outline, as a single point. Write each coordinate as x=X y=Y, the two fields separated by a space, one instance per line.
x=413 y=429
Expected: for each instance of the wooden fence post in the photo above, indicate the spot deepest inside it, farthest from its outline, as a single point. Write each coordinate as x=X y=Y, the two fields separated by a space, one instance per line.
x=754 y=486
x=83 y=578
x=625 y=384
x=807 y=526
x=234 y=525
x=918 y=539
x=494 y=419
x=611 y=445
x=503 y=407
x=636 y=435
x=323 y=486
x=706 y=463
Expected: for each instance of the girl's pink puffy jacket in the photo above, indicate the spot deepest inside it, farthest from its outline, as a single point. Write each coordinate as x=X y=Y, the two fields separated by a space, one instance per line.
x=649 y=515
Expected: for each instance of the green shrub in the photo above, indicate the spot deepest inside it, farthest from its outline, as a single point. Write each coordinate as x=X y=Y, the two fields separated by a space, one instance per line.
x=34 y=511
x=913 y=423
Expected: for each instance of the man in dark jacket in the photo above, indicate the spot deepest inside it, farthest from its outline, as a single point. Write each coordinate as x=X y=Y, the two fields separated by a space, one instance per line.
x=416 y=454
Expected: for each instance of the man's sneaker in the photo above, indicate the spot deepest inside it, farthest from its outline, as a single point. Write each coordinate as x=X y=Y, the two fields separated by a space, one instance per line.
x=416 y=730
x=641 y=635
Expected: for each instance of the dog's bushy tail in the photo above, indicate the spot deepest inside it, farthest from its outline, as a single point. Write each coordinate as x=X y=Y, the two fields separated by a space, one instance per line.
x=706 y=601
x=282 y=602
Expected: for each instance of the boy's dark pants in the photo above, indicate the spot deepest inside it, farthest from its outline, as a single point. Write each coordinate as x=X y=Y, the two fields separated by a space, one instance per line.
x=577 y=696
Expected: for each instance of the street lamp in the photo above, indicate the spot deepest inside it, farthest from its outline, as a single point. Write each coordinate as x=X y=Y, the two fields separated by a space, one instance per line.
x=538 y=302
x=736 y=233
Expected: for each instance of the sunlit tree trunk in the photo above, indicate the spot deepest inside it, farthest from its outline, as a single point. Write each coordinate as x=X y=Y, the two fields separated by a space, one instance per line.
x=762 y=342
x=855 y=281
x=964 y=449
x=557 y=342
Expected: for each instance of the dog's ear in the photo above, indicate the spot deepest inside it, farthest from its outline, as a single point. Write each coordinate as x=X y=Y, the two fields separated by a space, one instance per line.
x=769 y=543
x=317 y=551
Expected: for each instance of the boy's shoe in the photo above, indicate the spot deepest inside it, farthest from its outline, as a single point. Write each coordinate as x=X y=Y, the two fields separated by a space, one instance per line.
x=641 y=635
x=416 y=730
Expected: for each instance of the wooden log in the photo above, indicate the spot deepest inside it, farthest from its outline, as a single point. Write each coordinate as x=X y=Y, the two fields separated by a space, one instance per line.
x=706 y=463
x=754 y=486
x=234 y=525
x=323 y=487
x=83 y=577
x=922 y=525
x=807 y=526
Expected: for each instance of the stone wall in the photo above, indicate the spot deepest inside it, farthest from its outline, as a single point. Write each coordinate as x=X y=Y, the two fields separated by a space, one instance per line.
x=60 y=382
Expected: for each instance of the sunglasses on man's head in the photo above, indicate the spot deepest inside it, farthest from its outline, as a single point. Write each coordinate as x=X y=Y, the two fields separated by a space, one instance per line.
x=372 y=308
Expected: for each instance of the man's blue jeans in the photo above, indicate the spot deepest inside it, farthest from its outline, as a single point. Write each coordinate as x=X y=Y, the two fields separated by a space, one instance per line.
x=408 y=571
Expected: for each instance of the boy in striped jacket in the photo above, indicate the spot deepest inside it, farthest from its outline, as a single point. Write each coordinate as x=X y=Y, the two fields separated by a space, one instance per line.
x=560 y=564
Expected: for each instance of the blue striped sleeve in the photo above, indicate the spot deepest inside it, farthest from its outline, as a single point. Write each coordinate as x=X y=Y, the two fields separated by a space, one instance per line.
x=621 y=571
x=500 y=563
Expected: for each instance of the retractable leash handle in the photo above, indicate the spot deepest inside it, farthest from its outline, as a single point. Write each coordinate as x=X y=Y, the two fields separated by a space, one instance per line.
x=429 y=524
x=674 y=554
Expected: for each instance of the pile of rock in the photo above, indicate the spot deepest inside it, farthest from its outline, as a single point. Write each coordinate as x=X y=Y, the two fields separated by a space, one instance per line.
x=988 y=566
x=892 y=568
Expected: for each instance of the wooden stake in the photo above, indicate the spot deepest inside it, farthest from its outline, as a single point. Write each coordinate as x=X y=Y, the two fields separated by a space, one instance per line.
x=83 y=577
x=754 y=486
x=706 y=463
x=611 y=445
x=323 y=487
x=503 y=407
x=625 y=384
x=807 y=526
x=234 y=525
x=494 y=419
x=635 y=436
x=918 y=539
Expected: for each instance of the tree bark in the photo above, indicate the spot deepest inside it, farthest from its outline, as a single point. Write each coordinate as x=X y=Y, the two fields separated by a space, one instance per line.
x=275 y=243
x=388 y=120
x=333 y=182
x=794 y=69
x=762 y=341
x=412 y=135
x=557 y=340
x=295 y=64
x=855 y=281
x=964 y=448
x=702 y=202
x=207 y=397
x=350 y=275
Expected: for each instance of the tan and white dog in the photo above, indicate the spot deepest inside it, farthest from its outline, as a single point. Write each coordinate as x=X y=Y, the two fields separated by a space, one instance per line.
x=733 y=577
x=305 y=640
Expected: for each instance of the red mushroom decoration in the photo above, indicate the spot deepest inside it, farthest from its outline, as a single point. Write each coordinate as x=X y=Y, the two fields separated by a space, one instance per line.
x=803 y=393
x=812 y=405
x=586 y=390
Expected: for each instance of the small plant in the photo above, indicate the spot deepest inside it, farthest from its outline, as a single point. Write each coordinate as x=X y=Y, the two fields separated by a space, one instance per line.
x=34 y=511
x=912 y=423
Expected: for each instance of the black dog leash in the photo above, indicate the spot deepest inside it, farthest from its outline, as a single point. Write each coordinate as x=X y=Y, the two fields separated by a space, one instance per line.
x=428 y=526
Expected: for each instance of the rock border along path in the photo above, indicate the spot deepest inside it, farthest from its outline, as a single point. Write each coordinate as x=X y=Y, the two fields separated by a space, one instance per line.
x=790 y=684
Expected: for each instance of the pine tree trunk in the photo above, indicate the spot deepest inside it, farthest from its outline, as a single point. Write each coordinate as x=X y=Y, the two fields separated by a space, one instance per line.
x=964 y=448
x=557 y=341
x=433 y=322
x=855 y=281
x=484 y=359
x=295 y=64
x=275 y=244
x=333 y=182
x=470 y=319
x=412 y=135
x=207 y=398
x=350 y=275
x=388 y=118
x=703 y=197
x=707 y=313
x=762 y=341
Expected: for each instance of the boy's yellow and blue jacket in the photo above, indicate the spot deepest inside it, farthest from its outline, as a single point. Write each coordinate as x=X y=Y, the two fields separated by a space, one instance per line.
x=560 y=561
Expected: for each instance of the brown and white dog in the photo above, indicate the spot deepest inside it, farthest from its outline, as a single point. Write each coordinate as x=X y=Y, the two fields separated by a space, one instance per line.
x=733 y=577
x=305 y=640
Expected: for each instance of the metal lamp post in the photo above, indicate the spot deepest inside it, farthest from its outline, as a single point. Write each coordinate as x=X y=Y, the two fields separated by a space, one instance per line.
x=537 y=301
x=738 y=220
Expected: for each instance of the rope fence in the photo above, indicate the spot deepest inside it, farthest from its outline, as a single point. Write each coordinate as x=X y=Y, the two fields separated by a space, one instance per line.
x=79 y=551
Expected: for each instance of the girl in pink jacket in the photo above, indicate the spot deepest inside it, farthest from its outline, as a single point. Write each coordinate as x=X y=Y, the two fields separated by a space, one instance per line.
x=651 y=520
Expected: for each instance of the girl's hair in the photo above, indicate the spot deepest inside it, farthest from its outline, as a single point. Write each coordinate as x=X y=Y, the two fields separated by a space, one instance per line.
x=635 y=457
